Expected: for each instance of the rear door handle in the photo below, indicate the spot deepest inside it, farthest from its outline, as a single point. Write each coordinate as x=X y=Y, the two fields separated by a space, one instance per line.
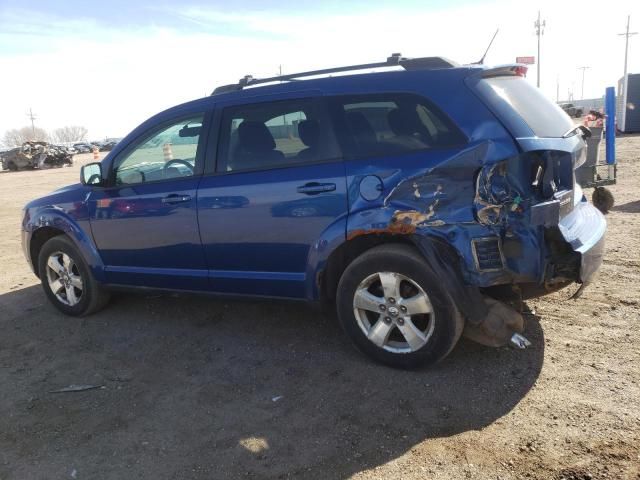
x=313 y=188
x=174 y=198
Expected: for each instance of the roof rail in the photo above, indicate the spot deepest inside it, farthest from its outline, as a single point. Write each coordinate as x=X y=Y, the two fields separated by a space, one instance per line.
x=396 y=59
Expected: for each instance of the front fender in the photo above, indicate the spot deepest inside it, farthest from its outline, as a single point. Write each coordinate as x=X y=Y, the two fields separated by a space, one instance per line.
x=77 y=229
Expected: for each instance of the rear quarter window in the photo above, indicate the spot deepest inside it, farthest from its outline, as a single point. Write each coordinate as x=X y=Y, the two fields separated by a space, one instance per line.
x=391 y=124
x=543 y=116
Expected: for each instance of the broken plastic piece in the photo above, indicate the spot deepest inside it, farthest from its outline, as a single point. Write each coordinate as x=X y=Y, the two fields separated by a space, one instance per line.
x=519 y=341
x=498 y=328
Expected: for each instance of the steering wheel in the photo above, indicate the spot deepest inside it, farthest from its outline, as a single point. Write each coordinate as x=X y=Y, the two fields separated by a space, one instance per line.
x=94 y=179
x=178 y=161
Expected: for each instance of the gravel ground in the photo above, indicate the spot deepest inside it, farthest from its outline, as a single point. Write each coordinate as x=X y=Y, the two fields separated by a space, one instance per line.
x=194 y=387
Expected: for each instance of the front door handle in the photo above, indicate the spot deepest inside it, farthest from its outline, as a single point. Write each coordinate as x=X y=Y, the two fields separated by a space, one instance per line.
x=314 y=188
x=174 y=198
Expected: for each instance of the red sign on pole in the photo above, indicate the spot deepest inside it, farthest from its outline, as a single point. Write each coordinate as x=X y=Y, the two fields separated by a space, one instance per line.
x=526 y=60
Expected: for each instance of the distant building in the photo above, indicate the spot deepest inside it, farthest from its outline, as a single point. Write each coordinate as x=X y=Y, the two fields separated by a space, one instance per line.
x=628 y=119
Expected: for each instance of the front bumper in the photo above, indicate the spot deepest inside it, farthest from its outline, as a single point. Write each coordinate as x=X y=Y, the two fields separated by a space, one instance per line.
x=584 y=229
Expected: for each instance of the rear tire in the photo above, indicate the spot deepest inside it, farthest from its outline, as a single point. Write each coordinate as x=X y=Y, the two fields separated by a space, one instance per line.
x=395 y=310
x=602 y=199
x=67 y=280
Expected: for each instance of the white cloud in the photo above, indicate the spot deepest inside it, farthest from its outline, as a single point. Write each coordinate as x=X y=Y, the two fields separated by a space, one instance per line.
x=110 y=78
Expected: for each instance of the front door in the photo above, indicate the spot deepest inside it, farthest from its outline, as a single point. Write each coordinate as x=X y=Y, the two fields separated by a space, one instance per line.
x=144 y=222
x=278 y=189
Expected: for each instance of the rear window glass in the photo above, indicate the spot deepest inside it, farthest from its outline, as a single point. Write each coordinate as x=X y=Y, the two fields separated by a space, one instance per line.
x=391 y=124
x=544 y=117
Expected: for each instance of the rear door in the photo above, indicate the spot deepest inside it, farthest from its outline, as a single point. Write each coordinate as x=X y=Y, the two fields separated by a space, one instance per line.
x=277 y=188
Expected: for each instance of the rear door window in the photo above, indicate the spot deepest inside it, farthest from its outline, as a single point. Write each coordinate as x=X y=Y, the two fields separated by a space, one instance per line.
x=543 y=116
x=275 y=134
x=391 y=124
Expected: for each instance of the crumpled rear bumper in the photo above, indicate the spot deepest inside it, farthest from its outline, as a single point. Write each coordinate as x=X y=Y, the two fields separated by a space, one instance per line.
x=584 y=229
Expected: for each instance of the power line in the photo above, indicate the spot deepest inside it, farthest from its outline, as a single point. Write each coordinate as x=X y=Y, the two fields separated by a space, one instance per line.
x=539 y=26
x=625 y=78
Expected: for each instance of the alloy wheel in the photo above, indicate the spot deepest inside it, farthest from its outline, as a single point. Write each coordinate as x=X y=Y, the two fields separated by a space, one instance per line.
x=64 y=278
x=394 y=312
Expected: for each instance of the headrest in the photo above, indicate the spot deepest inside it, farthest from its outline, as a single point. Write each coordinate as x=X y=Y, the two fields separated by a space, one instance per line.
x=255 y=137
x=309 y=132
x=360 y=127
x=403 y=121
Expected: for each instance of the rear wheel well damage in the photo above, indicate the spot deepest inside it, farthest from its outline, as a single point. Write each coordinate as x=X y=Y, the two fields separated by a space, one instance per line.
x=488 y=321
x=346 y=253
x=38 y=239
x=439 y=255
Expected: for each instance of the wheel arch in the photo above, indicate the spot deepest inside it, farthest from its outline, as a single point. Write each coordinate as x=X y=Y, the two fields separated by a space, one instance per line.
x=39 y=237
x=47 y=224
x=440 y=255
x=340 y=258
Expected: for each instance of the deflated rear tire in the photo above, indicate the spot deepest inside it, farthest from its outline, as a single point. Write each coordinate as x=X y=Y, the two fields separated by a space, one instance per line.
x=67 y=280
x=394 y=308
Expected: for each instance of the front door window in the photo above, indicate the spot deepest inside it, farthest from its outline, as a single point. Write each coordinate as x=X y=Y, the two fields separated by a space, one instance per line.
x=166 y=154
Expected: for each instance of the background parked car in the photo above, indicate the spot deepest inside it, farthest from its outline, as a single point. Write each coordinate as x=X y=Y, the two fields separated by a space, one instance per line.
x=572 y=110
x=83 y=147
x=107 y=146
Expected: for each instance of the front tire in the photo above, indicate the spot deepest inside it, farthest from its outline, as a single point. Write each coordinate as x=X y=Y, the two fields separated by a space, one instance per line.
x=67 y=280
x=394 y=308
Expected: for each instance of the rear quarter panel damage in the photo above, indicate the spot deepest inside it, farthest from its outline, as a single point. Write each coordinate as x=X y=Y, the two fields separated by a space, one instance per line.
x=442 y=202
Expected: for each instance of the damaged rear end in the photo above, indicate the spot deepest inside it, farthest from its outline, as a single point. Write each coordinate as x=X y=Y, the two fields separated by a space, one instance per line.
x=496 y=216
x=532 y=200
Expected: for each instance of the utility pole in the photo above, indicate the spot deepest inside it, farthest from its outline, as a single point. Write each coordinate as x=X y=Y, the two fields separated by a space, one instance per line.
x=582 y=91
x=557 y=88
x=539 y=26
x=625 y=78
x=32 y=117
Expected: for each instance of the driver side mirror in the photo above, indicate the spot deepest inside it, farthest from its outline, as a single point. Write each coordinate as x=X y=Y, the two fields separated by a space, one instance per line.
x=91 y=174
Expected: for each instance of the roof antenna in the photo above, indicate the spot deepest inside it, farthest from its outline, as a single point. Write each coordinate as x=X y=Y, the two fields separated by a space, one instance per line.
x=481 y=62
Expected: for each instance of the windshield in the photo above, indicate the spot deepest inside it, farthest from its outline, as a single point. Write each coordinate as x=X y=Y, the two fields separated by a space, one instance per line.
x=543 y=116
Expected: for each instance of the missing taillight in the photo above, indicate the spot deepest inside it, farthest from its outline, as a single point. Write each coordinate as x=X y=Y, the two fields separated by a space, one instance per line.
x=520 y=70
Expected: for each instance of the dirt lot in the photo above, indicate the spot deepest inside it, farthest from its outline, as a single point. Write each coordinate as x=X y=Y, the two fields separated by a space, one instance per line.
x=200 y=388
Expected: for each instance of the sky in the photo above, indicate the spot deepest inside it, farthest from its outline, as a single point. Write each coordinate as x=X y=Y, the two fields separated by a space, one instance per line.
x=110 y=65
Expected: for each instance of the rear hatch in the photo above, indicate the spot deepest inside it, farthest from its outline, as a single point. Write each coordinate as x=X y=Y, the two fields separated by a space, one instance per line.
x=509 y=94
x=551 y=144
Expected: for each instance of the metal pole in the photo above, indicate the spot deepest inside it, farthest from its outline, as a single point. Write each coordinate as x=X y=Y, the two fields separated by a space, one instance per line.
x=625 y=77
x=539 y=26
x=582 y=91
x=557 y=88
x=610 y=134
x=33 y=127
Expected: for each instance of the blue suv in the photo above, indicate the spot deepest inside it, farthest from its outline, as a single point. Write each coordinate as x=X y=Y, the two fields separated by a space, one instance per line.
x=411 y=197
